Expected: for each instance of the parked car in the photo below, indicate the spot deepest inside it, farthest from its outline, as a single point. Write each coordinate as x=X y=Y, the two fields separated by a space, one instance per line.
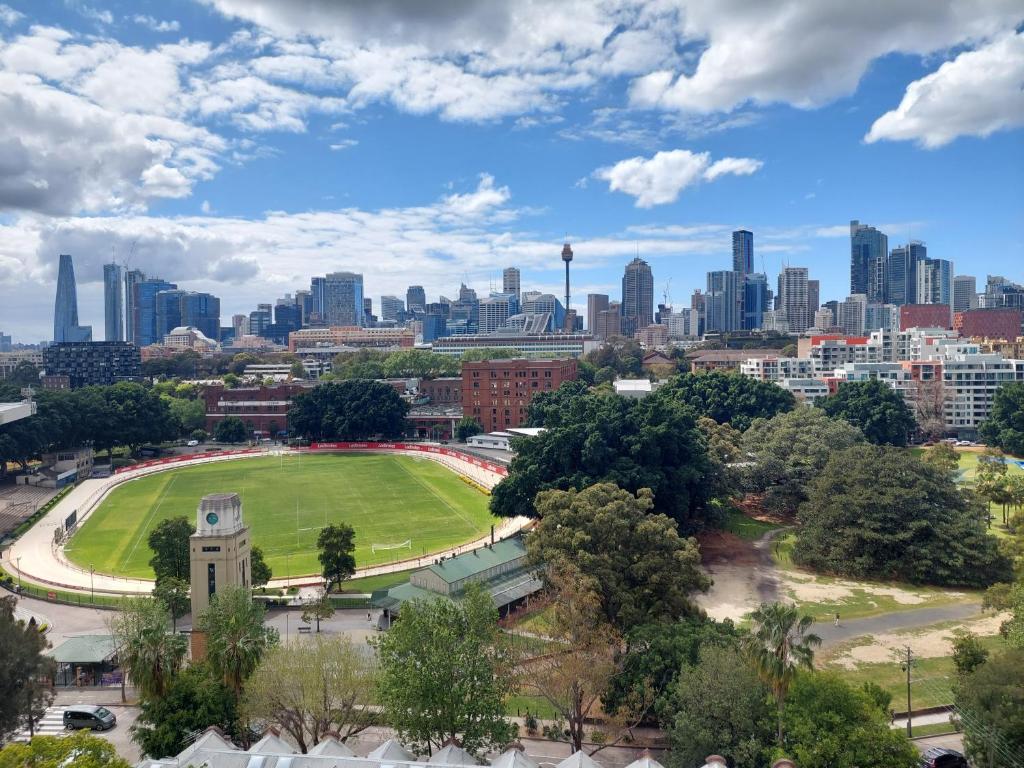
x=193 y=443
x=89 y=716
x=940 y=757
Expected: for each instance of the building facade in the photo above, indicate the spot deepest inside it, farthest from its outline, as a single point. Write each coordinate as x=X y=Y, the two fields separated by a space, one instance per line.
x=637 y=296
x=497 y=393
x=869 y=250
x=965 y=293
x=113 y=302
x=989 y=323
x=723 y=304
x=793 y=298
x=263 y=409
x=92 y=363
x=65 y=306
x=925 y=316
x=596 y=303
x=545 y=345
x=510 y=281
x=415 y=299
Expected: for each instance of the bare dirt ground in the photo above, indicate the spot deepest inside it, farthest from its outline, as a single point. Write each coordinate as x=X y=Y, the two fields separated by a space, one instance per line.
x=743 y=572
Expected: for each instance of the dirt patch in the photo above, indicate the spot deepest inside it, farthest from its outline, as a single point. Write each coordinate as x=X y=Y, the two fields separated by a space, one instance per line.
x=718 y=547
x=806 y=588
x=927 y=644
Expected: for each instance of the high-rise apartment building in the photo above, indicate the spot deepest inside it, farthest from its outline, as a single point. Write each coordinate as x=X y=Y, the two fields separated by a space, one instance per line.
x=965 y=293
x=935 y=281
x=743 y=252
x=596 y=303
x=65 y=307
x=901 y=276
x=93 y=363
x=853 y=314
x=510 y=281
x=240 y=326
x=415 y=299
x=793 y=298
x=341 y=299
x=637 y=296
x=868 y=251
x=698 y=308
x=132 y=278
x=391 y=307
x=722 y=307
x=756 y=299
x=608 y=322
x=813 y=296
x=113 y=303
x=495 y=311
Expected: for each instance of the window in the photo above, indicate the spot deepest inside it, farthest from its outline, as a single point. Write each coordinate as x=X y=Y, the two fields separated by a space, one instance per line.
x=211 y=549
x=211 y=578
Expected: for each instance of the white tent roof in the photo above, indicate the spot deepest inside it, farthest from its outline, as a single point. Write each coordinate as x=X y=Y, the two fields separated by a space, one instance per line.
x=453 y=755
x=331 y=746
x=392 y=750
x=513 y=758
x=271 y=744
x=578 y=760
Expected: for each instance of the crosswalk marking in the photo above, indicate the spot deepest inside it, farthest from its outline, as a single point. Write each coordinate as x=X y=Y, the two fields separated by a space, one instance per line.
x=52 y=724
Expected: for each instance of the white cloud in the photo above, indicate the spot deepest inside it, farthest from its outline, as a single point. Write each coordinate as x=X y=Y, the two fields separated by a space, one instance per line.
x=474 y=204
x=9 y=16
x=659 y=179
x=807 y=53
x=205 y=206
x=976 y=94
x=157 y=25
x=344 y=144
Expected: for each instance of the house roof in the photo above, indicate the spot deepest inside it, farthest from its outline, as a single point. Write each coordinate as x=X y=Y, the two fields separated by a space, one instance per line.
x=479 y=560
x=84 y=649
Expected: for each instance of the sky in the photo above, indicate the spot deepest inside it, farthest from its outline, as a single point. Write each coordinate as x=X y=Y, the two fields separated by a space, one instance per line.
x=242 y=146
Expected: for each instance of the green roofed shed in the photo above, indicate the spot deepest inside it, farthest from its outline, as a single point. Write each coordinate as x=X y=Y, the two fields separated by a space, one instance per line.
x=84 y=649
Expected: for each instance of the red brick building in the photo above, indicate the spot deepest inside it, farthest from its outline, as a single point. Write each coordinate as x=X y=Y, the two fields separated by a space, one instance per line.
x=497 y=393
x=989 y=323
x=445 y=390
x=263 y=409
x=925 y=316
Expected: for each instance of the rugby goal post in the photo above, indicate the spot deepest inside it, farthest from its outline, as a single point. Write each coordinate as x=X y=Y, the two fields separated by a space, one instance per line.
x=407 y=544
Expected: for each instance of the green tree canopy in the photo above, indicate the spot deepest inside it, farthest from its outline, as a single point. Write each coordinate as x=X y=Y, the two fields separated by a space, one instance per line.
x=174 y=594
x=729 y=398
x=419 y=364
x=194 y=700
x=348 y=410
x=830 y=724
x=81 y=750
x=445 y=674
x=149 y=654
x=1005 y=425
x=259 y=570
x=992 y=702
x=882 y=513
x=943 y=456
x=236 y=638
x=598 y=437
x=466 y=428
x=490 y=353
x=875 y=408
x=337 y=545
x=169 y=542
x=644 y=571
x=624 y=357
x=786 y=453
x=22 y=664
x=230 y=429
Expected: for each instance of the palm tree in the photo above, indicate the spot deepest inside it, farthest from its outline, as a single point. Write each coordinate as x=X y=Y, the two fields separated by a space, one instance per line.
x=146 y=651
x=778 y=645
x=235 y=635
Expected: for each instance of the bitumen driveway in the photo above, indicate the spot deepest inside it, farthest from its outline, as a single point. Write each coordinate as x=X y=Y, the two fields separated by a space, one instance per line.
x=892 y=622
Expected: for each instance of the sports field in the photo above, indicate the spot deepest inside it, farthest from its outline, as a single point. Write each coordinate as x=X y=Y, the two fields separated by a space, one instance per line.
x=286 y=500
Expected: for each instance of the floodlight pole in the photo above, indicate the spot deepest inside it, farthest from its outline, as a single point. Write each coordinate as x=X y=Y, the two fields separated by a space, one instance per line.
x=92 y=587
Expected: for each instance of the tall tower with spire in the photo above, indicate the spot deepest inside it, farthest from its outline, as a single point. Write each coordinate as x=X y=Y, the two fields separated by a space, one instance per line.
x=65 y=307
x=566 y=257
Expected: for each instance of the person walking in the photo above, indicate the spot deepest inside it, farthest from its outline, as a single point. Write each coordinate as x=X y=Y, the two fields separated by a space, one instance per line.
x=837 y=620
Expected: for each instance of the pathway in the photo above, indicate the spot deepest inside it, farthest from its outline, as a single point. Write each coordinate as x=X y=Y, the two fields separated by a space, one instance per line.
x=890 y=622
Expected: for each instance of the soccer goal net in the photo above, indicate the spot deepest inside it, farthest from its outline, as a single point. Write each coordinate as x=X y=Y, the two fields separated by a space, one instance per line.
x=407 y=544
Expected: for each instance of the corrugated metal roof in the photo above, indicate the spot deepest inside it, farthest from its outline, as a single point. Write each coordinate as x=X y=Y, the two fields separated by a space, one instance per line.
x=471 y=563
x=84 y=649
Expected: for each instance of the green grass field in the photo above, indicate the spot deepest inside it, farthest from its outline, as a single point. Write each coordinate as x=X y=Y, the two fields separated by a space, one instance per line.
x=387 y=499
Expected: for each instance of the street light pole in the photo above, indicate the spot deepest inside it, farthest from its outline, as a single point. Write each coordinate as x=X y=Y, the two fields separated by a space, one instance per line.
x=18 y=561
x=92 y=586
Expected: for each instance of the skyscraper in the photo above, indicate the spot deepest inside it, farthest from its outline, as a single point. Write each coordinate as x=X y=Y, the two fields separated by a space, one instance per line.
x=596 y=303
x=415 y=299
x=935 y=281
x=965 y=293
x=813 y=296
x=868 y=251
x=343 y=299
x=901 y=279
x=202 y=311
x=144 y=308
x=853 y=314
x=756 y=299
x=132 y=278
x=495 y=311
x=113 y=303
x=743 y=252
x=609 y=321
x=65 y=307
x=510 y=281
x=793 y=298
x=391 y=307
x=637 y=296
x=168 y=312
x=721 y=306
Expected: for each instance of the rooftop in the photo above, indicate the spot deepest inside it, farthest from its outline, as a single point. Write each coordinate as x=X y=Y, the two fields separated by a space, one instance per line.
x=479 y=560
x=84 y=649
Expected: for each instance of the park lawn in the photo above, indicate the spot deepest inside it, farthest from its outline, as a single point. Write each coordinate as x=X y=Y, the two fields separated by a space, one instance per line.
x=370 y=584
x=824 y=596
x=968 y=472
x=931 y=678
x=538 y=622
x=747 y=527
x=286 y=500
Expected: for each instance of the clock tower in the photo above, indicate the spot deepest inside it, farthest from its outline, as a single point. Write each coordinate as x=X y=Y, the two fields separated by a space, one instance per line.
x=218 y=550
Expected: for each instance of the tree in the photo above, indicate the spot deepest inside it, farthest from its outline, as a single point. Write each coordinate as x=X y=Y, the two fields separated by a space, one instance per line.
x=643 y=570
x=875 y=408
x=173 y=593
x=1005 y=425
x=419 y=364
x=830 y=724
x=235 y=636
x=723 y=440
x=943 y=457
x=23 y=667
x=968 y=652
x=348 y=410
x=599 y=437
x=928 y=401
x=729 y=398
x=230 y=429
x=169 y=542
x=25 y=374
x=260 y=572
x=320 y=608
x=786 y=453
x=82 y=750
x=624 y=357
x=312 y=688
x=444 y=674
x=337 y=545
x=882 y=513
x=778 y=645
x=718 y=706
x=1008 y=597
x=466 y=428
x=491 y=353
x=298 y=370
x=194 y=700
x=189 y=414
x=991 y=703
x=148 y=653
x=141 y=416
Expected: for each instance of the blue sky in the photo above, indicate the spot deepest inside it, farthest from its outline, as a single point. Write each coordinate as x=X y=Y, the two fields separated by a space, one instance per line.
x=245 y=145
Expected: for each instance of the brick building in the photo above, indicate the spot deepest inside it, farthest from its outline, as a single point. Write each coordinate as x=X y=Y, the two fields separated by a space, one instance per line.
x=263 y=409
x=497 y=393
x=925 y=316
x=989 y=323
x=350 y=336
x=444 y=390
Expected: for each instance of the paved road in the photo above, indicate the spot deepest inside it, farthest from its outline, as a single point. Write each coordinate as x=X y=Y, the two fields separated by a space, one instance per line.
x=892 y=622
x=53 y=721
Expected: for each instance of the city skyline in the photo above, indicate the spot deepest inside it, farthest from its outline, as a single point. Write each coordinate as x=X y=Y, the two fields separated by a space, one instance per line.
x=259 y=149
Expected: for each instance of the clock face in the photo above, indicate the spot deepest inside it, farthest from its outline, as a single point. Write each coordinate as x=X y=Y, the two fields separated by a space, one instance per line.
x=212 y=518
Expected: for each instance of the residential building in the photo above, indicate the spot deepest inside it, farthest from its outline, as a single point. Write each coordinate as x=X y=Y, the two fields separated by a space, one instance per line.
x=391 y=308
x=793 y=298
x=341 y=299
x=824 y=320
x=653 y=336
x=680 y=324
x=697 y=305
x=596 y=303
x=510 y=281
x=239 y=326
x=935 y=282
x=925 y=316
x=415 y=300
x=722 y=303
x=264 y=409
x=703 y=360
x=444 y=390
x=971 y=382
x=609 y=322
x=813 y=296
x=881 y=317
x=12 y=359
x=495 y=311
x=965 y=293
x=497 y=393
x=91 y=363
x=868 y=251
x=113 y=302
x=775 y=320
x=1001 y=293
x=989 y=323
x=901 y=283
x=65 y=307
x=546 y=345
x=853 y=314
x=132 y=277
x=805 y=390
x=773 y=368
x=743 y=252
x=637 y=296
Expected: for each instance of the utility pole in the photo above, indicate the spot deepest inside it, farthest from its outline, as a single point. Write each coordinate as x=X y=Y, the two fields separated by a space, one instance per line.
x=907 y=666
